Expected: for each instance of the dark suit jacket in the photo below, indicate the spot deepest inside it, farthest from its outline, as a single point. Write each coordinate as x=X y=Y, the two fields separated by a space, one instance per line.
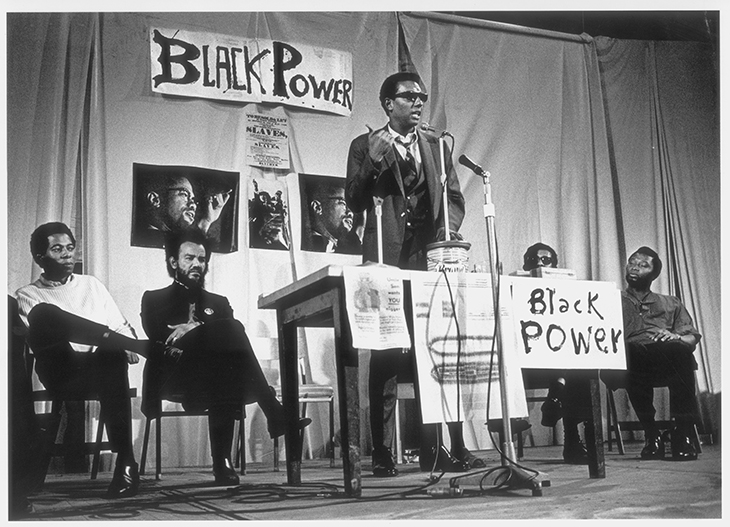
x=364 y=180
x=170 y=306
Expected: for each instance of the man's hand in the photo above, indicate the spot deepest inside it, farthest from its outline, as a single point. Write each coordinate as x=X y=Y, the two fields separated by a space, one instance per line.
x=379 y=142
x=664 y=335
x=179 y=330
x=172 y=352
x=211 y=209
x=132 y=357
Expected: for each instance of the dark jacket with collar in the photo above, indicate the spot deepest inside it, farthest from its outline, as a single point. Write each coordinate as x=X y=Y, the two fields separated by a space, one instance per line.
x=168 y=307
x=365 y=179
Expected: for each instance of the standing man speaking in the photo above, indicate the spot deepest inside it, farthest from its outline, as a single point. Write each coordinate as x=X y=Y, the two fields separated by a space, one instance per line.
x=401 y=165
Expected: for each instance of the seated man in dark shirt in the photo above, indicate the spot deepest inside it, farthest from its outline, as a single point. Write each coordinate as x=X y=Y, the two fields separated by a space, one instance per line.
x=202 y=354
x=660 y=340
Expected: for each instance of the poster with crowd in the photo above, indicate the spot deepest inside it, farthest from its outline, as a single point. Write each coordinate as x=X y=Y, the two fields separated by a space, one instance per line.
x=268 y=215
x=173 y=198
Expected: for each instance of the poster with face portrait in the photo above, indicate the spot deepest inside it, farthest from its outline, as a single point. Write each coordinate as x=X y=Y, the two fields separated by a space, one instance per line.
x=328 y=224
x=174 y=198
x=268 y=215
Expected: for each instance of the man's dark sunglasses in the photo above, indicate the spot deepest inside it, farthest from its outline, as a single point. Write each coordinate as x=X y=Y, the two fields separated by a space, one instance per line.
x=546 y=260
x=412 y=96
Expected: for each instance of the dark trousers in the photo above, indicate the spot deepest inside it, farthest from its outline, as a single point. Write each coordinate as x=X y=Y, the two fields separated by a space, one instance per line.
x=68 y=374
x=218 y=371
x=661 y=364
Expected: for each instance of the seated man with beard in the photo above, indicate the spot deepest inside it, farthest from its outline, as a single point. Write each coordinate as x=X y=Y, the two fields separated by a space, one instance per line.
x=201 y=353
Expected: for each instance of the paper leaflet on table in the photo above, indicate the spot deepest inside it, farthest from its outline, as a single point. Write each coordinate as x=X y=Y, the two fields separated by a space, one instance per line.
x=438 y=351
x=374 y=299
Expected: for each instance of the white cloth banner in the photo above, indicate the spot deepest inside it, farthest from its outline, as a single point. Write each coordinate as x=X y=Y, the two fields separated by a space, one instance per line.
x=568 y=324
x=213 y=66
x=375 y=307
x=456 y=356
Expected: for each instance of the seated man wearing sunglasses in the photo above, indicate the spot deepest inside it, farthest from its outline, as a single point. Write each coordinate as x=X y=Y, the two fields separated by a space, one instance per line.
x=569 y=392
x=401 y=165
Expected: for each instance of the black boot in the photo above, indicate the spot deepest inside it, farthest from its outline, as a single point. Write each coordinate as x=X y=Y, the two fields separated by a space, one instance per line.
x=683 y=448
x=653 y=444
x=552 y=409
x=574 y=451
x=221 y=422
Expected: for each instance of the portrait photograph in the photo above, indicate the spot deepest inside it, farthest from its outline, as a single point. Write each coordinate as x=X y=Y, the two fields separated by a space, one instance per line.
x=177 y=198
x=328 y=224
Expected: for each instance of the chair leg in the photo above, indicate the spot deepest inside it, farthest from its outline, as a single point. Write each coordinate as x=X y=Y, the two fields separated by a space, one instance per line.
x=276 y=454
x=520 y=446
x=145 y=444
x=616 y=428
x=97 y=447
x=332 y=432
x=242 y=440
x=158 y=449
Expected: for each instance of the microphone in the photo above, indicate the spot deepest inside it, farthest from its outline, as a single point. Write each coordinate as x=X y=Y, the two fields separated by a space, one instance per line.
x=471 y=165
x=428 y=128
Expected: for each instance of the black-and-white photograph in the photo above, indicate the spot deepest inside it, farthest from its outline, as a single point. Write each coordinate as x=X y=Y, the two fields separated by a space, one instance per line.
x=476 y=280
x=328 y=223
x=177 y=198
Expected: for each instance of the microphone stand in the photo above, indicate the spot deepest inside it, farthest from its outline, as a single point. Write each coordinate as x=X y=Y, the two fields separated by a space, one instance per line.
x=513 y=475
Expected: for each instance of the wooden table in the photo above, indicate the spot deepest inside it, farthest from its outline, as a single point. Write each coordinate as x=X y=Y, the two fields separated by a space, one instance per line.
x=318 y=300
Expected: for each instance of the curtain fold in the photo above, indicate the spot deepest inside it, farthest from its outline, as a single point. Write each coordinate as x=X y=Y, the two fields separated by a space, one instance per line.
x=529 y=109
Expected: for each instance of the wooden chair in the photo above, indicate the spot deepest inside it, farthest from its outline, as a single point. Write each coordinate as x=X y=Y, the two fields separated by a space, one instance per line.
x=616 y=427
x=179 y=412
x=94 y=448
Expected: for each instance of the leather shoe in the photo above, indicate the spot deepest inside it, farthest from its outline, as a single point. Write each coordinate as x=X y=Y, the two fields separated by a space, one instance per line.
x=653 y=447
x=575 y=453
x=278 y=428
x=552 y=412
x=125 y=482
x=383 y=463
x=682 y=447
x=445 y=462
x=225 y=474
x=471 y=459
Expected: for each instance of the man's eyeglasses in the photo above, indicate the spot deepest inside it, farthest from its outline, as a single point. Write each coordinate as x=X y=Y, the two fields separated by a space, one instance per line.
x=184 y=193
x=412 y=96
x=545 y=260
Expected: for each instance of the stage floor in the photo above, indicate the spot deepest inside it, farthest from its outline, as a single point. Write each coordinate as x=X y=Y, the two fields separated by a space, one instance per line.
x=632 y=489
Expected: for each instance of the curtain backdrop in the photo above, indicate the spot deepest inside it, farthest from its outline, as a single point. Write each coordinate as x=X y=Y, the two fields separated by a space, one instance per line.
x=595 y=147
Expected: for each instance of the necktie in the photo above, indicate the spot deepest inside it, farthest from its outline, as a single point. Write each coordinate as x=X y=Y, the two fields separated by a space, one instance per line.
x=409 y=171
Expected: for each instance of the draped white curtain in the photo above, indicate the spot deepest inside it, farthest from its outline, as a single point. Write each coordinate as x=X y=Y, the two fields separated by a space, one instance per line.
x=595 y=147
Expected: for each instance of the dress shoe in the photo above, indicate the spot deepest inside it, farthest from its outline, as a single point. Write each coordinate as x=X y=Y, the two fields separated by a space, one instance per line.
x=683 y=448
x=225 y=474
x=278 y=428
x=473 y=461
x=653 y=447
x=575 y=453
x=383 y=463
x=552 y=412
x=445 y=462
x=125 y=482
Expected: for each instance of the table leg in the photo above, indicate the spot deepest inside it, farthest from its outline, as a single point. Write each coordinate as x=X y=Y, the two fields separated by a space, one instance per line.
x=594 y=434
x=288 y=358
x=348 y=386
